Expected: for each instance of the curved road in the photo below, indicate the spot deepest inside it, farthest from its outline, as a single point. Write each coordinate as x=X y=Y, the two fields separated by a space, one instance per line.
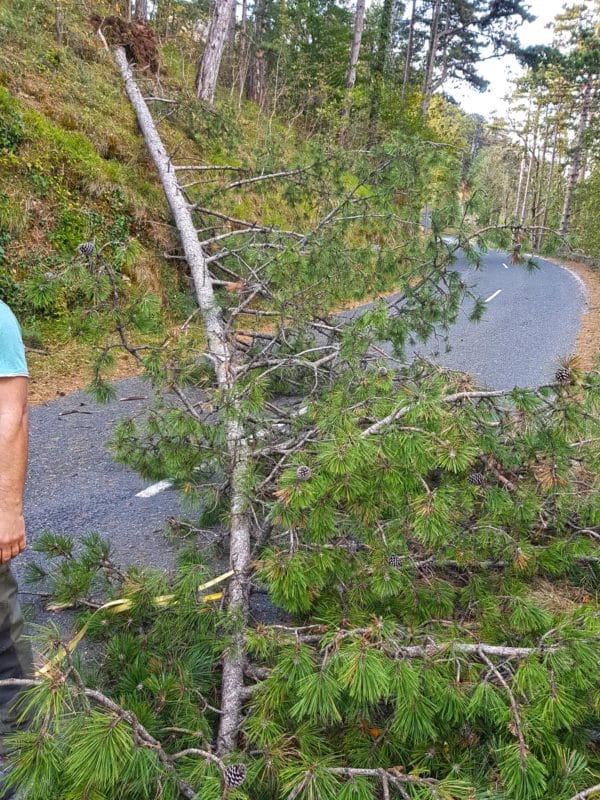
x=75 y=487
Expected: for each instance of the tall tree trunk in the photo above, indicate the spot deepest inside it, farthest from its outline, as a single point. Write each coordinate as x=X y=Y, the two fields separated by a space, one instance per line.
x=431 y=55
x=359 y=25
x=59 y=21
x=409 y=50
x=141 y=11
x=520 y=183
x=550 y=182
x=576 y=151
x=523 y=162
x=532 y=159
x=223 y=358
x=538 y=204
x=257 y=81
x=210 y=63
x=243 y=51
x=379 y=69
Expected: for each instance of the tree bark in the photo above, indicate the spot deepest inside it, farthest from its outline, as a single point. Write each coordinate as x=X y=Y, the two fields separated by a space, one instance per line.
x=431 y=54
x=523 y=162
x=223 y=357
x=536 y=128
x=210 y=63
x=379 y=69
x=576 y=157
x=242 y=51
x=141 y=11
x=538 y=188
x=257 y=81
x=549 y=191
x=409 y=50
x=359 y=25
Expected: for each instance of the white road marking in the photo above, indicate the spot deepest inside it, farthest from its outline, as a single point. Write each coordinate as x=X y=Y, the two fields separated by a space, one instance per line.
x=156 y=488
x=491 y=297
x=505 y=265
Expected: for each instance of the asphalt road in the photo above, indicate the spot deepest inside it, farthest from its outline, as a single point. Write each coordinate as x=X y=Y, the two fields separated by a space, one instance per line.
x=530 y=321
x=75 y=487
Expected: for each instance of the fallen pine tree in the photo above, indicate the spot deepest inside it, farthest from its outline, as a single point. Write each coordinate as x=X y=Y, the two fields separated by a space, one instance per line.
x=408 y=522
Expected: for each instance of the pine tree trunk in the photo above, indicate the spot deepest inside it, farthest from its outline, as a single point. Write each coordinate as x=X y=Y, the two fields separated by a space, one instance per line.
x=549 y=184
x=359 y=25
x=59 y=21
x=210 y=63
x=538 y=189
x=409 y=50
x=523 y=162
x=431 y=55
x=223 y=357
x=520 y=184
x=530 y=167
x=379 y=69
x=576 y=157
x=242 y=51
x=257 y=81
x=141 y=11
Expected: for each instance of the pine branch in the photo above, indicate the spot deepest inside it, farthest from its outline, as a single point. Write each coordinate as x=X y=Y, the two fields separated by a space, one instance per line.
x=395 y=649
x=523 y=750
x=586 y=793
x=141 y=736
x=244 y=223
x=210 y=168
x=386 y=776
x=272 y=176
x=450 y=398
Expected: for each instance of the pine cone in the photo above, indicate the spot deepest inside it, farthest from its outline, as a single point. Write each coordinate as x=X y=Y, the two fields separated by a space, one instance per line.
x=87 y=249
x=563 y=376
x=235 y=775
x=476 y=479
x=304 y=473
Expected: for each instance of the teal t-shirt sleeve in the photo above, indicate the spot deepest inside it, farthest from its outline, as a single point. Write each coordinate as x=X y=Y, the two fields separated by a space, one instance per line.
x=12 y=351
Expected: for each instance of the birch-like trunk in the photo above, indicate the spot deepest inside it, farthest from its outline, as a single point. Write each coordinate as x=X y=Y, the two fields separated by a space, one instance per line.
x=210 y=63
x=223 y=358
x=242 y=52
x=576 y=151
x=359 y=25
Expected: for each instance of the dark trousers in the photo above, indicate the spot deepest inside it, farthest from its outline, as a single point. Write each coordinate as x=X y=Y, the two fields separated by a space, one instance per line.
x=16 y=659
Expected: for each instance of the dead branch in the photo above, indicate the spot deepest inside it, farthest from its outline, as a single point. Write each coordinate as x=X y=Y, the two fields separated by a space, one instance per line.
x=583 y=795
x=523 y=750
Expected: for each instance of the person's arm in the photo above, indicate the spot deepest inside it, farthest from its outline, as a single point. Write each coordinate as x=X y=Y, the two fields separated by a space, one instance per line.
x=13 y=465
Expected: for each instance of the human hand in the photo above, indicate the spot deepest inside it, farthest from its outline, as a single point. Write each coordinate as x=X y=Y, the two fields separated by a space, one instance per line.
x=12 y=535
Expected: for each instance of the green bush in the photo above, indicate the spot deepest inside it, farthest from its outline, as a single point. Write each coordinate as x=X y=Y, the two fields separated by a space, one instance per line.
x=12 y=127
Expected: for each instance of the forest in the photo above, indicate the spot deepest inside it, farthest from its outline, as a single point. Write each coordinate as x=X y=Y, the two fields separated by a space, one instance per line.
x=387 y=574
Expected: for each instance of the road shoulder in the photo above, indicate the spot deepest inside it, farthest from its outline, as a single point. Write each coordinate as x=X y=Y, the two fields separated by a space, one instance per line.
x=588 y=339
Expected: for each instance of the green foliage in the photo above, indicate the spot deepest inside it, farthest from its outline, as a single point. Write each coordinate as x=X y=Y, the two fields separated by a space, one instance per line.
x=12 y=127
x=429 y=546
